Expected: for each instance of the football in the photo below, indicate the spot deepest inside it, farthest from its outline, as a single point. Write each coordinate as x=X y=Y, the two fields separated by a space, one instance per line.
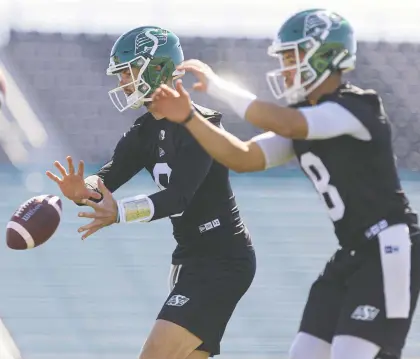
x=34 y=222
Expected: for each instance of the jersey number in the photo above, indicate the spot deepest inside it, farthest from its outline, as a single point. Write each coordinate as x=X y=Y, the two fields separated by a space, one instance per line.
x=162 y=174
x=320 y=177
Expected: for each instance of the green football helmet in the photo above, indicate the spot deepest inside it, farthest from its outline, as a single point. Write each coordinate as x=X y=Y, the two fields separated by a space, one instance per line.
x=323 y=42
x=156 y=52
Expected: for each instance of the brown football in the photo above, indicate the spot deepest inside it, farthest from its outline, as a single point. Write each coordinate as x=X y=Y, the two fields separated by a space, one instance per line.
x=34 y=222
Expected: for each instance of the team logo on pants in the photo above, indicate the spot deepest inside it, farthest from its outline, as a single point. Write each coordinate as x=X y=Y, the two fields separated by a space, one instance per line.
x=365 y=313
x=177 y=300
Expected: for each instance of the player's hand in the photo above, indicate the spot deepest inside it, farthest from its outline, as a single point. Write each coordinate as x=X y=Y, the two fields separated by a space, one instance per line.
x=174 y=104
x=105 y=214
x=200 y=70
x=72 y=183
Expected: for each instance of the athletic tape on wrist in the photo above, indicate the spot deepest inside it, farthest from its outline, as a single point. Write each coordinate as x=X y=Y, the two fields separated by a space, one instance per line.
x=135 y=209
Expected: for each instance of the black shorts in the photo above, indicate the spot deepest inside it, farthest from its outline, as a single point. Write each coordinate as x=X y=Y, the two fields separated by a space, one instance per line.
x=204 y=295
x=369 y=293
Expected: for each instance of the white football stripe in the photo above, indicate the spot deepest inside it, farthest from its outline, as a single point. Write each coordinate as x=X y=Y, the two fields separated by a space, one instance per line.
x=53 y=202
x=41 y=197
x=23 y=233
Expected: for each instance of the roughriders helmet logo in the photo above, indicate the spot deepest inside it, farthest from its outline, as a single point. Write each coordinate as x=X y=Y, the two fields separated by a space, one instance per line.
x=319 y=22
x=148 y=39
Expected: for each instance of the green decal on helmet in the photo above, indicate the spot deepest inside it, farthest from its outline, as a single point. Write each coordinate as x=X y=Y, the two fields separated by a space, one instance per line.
x=155 y=52
x=323 y=42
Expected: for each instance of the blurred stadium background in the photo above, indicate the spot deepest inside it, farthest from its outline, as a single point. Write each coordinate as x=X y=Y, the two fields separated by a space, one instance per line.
x=98 y=299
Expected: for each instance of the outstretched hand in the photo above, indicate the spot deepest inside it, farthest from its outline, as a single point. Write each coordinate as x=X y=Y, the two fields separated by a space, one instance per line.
x=72 y=183
x=174 y=104
x=200 y=70
x=105 y=212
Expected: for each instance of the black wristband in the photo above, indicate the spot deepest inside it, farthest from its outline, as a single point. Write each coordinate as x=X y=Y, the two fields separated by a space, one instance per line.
x=189 y=117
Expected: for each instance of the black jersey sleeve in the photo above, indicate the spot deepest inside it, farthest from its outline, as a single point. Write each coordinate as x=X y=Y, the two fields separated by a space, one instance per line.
x=190 y=168
x=367 y=107
x=128 y=159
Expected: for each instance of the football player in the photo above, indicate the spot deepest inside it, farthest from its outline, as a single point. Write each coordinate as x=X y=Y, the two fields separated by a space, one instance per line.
x=363 y=302
x=214 y=262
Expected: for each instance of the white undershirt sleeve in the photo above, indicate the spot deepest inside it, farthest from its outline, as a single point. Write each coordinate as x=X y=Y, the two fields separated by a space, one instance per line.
x=329 y=119
x=238 y=98
x=277 y=150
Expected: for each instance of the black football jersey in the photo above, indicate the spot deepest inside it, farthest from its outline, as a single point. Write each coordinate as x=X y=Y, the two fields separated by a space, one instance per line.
x=357 y=179
x=194 y=190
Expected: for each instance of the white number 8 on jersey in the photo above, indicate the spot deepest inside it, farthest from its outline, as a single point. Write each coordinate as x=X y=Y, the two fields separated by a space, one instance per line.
x=320 y=177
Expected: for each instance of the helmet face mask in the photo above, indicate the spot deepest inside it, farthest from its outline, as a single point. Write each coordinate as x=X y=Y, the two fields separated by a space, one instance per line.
x=143 y=59
x=303 y=72
x=140 y=87
x=321 y=43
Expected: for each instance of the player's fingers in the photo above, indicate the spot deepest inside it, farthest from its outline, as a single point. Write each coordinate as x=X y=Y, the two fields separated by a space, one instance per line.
x=162 y=93
x=90 y=228
x=190 y=68
x=53 y=177
x=88 y=215
x=91 y=204
x=81 y=169
x=61 y=168
x=167 y=91
x=71 y=165
x=90 y=193
x=88 y=233
x=180 y=88
x=96 y=223
x=97 y=216
x=86 y=227
x=192 y=64
x=155 y=102
x=199 y=86
x=102 y=188
x=157 y=92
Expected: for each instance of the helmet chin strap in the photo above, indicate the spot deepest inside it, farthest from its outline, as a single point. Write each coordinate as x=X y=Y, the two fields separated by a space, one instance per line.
x=136 y=105
x=295 y=96
x=134 y=100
